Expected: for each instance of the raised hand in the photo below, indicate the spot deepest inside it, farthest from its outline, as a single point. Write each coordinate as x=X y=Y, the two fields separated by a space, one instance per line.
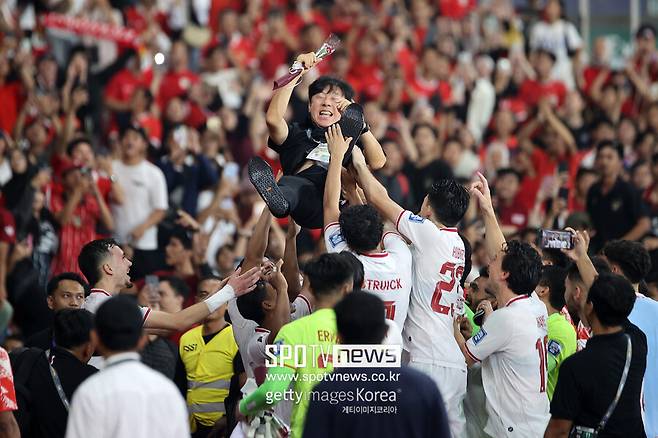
x=580 y=245
x=243 y=283
x=338 y=145
x=480 y=189
x=308 y=60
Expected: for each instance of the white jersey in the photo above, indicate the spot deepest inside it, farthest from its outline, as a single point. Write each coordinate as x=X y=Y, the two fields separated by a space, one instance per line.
x=99 y=296
x=438 y=265
x=249 y=335
x=512 y=347
x=387 y=274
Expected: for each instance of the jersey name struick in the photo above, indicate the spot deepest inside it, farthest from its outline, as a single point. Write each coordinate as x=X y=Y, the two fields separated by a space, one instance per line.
x=382 y=285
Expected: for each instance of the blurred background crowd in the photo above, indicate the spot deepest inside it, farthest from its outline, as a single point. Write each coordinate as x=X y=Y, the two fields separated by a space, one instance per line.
x=136 y=118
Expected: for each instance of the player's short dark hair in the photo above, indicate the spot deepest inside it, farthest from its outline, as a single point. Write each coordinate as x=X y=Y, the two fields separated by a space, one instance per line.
x=358 y=274
x=613 y=298
x=600 y=265
x=53 y=283
x=73 y=144
x=177 y=284
x=362 y=227
x=556 y=257
x=633 y=259
x=327 y=273
x=523 y=264
x=183 y=235
x=584 y=171
x=553 y=277
x=508 y=171
x=251 y=305
x=468 y=262
x=360 y=318
x=449 y=201
x=318 y=86
x=615 y=146
x=92 y=256
x=418 y=126
x=119 y=323
x=71 y=327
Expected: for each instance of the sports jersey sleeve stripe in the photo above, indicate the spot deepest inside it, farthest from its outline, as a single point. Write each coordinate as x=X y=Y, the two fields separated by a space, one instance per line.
x=397 y=222
x=146 y=314
x=471 y=355
x=331 y=224
x=308 y=303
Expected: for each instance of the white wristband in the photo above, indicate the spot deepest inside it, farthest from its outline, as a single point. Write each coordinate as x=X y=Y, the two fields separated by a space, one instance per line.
x=220 y=298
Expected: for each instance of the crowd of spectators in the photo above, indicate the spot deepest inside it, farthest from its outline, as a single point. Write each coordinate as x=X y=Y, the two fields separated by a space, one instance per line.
x=144 y=134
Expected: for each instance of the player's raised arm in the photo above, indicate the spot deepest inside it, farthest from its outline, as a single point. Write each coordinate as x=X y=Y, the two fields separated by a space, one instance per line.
x=493 y=236
x=257 y=244
x=337 y=149
x=376 y=193
x=276 y=123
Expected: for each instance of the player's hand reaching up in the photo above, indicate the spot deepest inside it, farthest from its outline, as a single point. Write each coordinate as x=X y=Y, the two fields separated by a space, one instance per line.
x=338 y=145
x=243 y=283
x=580 y=245
x=308 y=60
x=480 y=189
x=358 y=160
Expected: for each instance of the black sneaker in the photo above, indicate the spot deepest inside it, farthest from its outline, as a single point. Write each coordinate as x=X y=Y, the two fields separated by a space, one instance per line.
x=262 y=177
x=351 y=124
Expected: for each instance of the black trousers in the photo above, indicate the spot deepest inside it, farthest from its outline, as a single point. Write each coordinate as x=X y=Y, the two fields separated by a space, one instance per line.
x=305 y=192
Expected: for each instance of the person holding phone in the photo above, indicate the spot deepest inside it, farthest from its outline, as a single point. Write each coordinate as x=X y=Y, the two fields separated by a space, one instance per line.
x=187 y=171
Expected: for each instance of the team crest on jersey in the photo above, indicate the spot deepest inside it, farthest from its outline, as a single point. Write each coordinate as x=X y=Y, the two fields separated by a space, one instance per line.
x=416 y=218
x=276 y=349
x=481 y=334
x=554 y=347
x=336 y=239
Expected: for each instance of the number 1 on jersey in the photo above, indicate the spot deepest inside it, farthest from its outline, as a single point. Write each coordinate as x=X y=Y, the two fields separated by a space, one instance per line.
x=540 y=345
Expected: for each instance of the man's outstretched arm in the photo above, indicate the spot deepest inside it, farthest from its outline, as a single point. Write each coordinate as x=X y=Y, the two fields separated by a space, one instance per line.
x=276 y=123
x=337 y=150
x=376 y=193
x=179 y=321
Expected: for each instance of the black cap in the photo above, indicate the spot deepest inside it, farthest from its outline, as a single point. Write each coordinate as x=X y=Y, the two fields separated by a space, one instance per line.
x=646 y=30
x=119 y=323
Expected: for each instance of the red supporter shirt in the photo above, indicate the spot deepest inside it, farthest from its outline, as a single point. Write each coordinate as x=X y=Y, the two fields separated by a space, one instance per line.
x=137 y=20
x=80 y=230
x=366 y=79
x=427 y=89
x=7 y=227
x=515 y=214
x=10 y=96
x=456 y=9
x=532 y=91
x=175 y=84
x=7 y=392
x=123 y=84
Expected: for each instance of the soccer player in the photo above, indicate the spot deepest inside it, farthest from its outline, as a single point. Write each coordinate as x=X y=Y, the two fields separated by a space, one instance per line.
x=108 y=270
x=561 y=334
x=359 y=229
x=511 y=343
x=330 y=277
x=438 y=265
